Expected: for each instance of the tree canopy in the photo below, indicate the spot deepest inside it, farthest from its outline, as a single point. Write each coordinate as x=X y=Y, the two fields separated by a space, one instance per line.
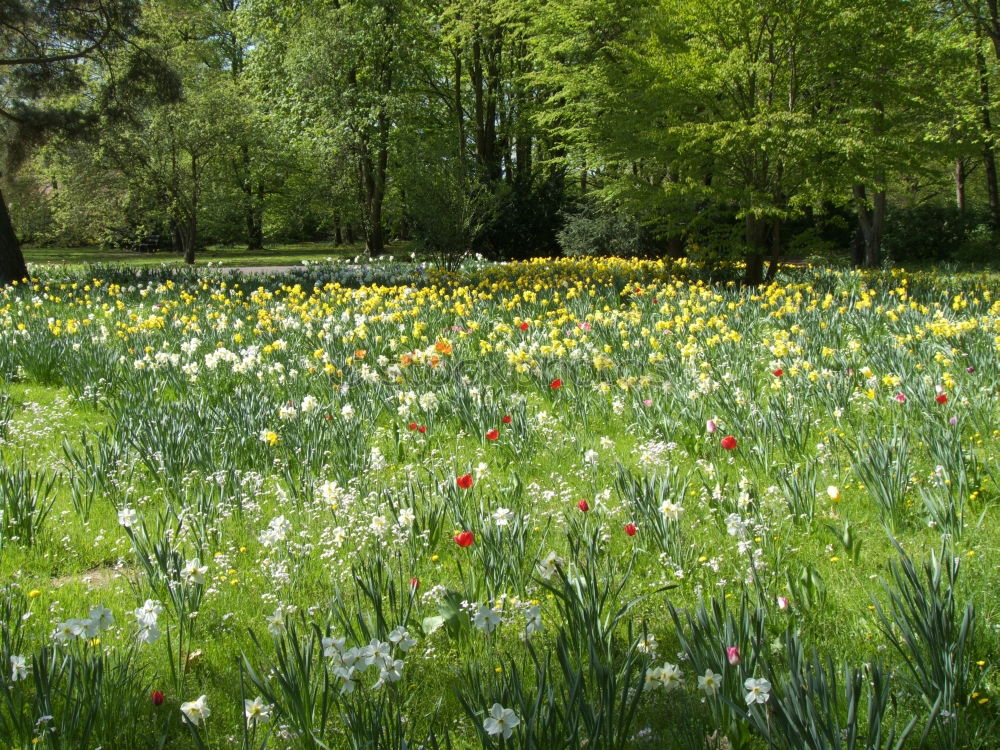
x=721 y=129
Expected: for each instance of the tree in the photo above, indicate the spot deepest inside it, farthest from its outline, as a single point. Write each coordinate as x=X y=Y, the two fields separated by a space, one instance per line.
x=765 y=111
x=44 y=47
x=343 y=73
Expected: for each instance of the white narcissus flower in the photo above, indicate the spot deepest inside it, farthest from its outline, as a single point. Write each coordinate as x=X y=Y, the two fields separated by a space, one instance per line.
x=758 y=690
x=647 y=644
x=333 y=494
x=501 y=721
x=390 y=671
x=333 y=646
x=347 y=412
x=534 y=621
x=18 y=668
x=276 y=531
x=196 y=711
x=401 y=637
x=671 y=511
x=256 y=711
x=276 y=622
x=309 y=404
x=101 y=617
x=486 y=618
x=710 y=682
x=670 y=676
x=194 y=571
x=376 y=652
x=502 y=516
x=149 y=612
x=149 y=634
x=548 y=565
x=67 y=630
x=429 y=402
x=127 y=517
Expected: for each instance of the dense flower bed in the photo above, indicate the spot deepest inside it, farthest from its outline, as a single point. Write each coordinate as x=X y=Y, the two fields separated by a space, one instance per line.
x=592 y=503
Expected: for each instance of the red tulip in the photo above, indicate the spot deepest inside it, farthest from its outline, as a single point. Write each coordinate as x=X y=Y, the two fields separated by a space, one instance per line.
x=583 y=505
x=778 y=373
x=465 y=539
x=492 y=435
x=156 y=697
x=630 y=529
x=414 y=584
x=421 y=429
x=506 y=419
x=941 y=398
x=728 y=442
x=523 y=326
x=411 y=426
x=464 y=481
x=556 y=384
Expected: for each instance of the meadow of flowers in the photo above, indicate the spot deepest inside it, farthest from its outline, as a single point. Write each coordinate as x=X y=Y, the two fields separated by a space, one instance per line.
x=559 y=504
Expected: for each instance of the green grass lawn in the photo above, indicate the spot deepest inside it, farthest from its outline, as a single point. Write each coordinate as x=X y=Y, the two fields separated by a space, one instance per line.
x=227 y=256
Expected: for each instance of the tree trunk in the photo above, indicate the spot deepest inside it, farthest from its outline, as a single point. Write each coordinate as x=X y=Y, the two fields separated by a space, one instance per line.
x=756 y=241
x=374 y=193
x=871 y=220
x=493 y=164
x=12 y=266
x=459 y=110
x=374 y=235
x=857 y=247
x=479 y=115
x=254 y=216
x=186 y=233
x=772 y=268
x=484 y=89
x=960 y=184
x=523 y=146
x=989 y=160
x=176 y=242
x=253 y=201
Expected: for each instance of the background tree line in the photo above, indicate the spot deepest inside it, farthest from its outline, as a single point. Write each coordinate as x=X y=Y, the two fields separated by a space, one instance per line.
x=750 y=129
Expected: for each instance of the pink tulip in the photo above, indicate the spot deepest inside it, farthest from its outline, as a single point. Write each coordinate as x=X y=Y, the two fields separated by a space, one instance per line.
x=733 y=655
x=710 y=426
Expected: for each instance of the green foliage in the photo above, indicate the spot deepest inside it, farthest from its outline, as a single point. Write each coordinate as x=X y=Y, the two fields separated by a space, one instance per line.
x=26 y=499
x=450 y=212
x=932 y=233
x=598 y=229
x=932 y=632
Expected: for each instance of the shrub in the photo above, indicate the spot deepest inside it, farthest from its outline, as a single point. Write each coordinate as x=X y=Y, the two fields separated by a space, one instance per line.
x=931 y=234
x=599 y=229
